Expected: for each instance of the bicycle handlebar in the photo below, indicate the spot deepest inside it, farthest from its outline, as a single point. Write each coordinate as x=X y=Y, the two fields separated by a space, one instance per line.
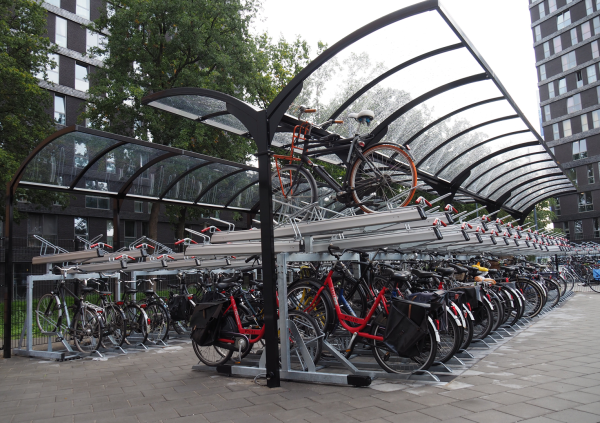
x=253 y=257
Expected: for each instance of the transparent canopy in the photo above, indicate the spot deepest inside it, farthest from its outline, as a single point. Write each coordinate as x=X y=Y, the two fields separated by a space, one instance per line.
x=435 y=94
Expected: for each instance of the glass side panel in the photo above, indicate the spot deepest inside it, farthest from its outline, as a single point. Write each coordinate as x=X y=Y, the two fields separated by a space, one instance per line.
x=159 y=176
x=59 y=162
x=223 y=191
x=509 y=184
x=501 y=185
x=248 y=198
x=460 y=148
x=196 y=107
x=514 y=202
x=498 y=164
x=117 y=166
x=192 y=185
x=536 y=195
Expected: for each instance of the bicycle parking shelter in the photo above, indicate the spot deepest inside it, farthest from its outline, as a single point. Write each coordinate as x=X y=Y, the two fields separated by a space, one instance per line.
x=510 y=168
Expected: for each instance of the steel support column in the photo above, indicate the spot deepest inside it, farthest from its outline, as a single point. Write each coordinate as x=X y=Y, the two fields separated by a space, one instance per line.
x=8 y=272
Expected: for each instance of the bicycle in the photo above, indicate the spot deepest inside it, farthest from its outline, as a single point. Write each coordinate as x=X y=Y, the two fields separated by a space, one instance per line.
x=113 y=317
x=85 y=328
x=157 y=311
x=378 y=176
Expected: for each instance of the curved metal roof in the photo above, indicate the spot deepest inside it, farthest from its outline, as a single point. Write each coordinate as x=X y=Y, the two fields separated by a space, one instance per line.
x=86 y=161
x=429 y=88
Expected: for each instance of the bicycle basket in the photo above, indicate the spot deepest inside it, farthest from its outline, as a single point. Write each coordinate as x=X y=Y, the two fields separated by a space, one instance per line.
x=596 y=273
x=406 y=326
x=205 y=323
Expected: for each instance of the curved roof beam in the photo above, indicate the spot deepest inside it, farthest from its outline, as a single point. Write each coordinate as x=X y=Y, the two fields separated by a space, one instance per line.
x=240 y=192
x=391 y=72
x=216 y=181
x=381 y=129
x=127 y=185
x=93 y=161
x=518 y=194
x=550 y=177
x=464 y=175
x=512 y=170
x=466 y=131
x=180 y=177
x=449 y=115
x=537 y=197
x=538 y=200
x=281 y=102
x=518 y=205
x=470 y=168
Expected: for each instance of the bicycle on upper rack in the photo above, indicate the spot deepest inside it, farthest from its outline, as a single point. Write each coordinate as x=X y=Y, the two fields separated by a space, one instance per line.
x=52 y=316
x=379 y=176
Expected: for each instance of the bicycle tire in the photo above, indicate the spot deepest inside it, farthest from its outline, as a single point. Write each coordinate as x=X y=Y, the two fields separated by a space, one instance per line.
x=293 y=197
x=450 y=339
x=213 y=355
x=534 y=298
x=114 y=324
x=594 y=285
x=160 y=321
x=386 y=190
x=484 y=320
x=469 y=331
x=300 y=295
x=309 y=331
x=515 y=311
x=48 y=315
x=87 y=331
x=136 y=322
x=553 y=292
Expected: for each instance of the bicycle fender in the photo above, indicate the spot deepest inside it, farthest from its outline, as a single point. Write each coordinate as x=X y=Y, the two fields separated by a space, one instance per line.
x=488 y=301
x=469 y=312
x=459 y=319
x=437 y=334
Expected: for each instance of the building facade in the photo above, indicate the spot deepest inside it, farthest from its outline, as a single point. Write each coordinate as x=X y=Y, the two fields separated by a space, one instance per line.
x=566 y=36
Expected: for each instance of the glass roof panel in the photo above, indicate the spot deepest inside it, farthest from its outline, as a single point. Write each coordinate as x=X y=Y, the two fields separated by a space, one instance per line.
x=536 y=195
x=248 y=198
x=195 y=182
x=500 y=163
x=159 y=176
x=515 y=201
x=111 y=171
x=226 y=189
x=59 y=162
x=506 y=182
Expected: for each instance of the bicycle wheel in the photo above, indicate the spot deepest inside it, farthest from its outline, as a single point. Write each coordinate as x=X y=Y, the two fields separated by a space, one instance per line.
x=136 y=321
x=497 y=312
x=484 y=321
x=386 y=178
x=469 y=331
x=450 y=339
x=158 y=315
x=300 y=297
x=534 y=298
x=87 y=331
x=594 y=285
x=196 y=290
x=392 y=363
x=212 y=355
x=47 y=314
x=293 y=188
x=310 y=332
x=553 y=292
x=114 y=325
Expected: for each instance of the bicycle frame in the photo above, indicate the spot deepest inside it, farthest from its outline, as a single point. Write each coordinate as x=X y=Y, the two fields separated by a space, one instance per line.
x=259 y=333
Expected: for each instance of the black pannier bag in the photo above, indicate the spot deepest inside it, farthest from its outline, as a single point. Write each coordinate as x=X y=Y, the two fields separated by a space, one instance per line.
x=406 y=325
x=178 y=308
x=205 y=323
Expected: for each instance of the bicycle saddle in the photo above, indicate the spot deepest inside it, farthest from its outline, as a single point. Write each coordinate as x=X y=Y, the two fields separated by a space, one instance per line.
x=229 y=280
x=226 y=285
x=508 y=268
x=423 y=274
x=459 y=269
x=88 y=289
x=363 y=116
x=493 y=271
x=445 y=271
x=105 y=293
x=401 y=276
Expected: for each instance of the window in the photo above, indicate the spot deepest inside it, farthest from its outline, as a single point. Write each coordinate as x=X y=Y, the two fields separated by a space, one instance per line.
x=111 y=166
x=578 y=229
x=93 y=39
x=574 y=36
x=80 y=225
x=572 y=175
x=83 y=8
x=60 y=115
x=44 y=225
x=586 y=32
x=93 y=202
x=138 y=206
x=547 y=116
x=81 y=73
x=538 y=33
x=551 y=6
x=555 y=133
x=563 y=20
x=96 y=185
x=584 y=123
x=557 y=207
x=579 y=77
x=590 y=173
x=551 y=93
x=542 y=72
x=557 y=44
x=596 y=22
x=596 y=118
x=589 y=9
x=596 y=227
x=574 y=103
x=566 y=229
x=562 y=86
x=595 y=52
x=129 y=231
x=579 y=150
x=585 y=202
x=51 y=72
x=568 y=61
x=546 y=49
x=591 y=74
x=567 y=128
x=60 y=34
x=54 y=2
x=542 y=10
x=110 y=232
x=81 y=155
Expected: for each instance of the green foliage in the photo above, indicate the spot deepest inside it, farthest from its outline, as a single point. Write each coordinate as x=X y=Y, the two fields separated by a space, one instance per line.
x=545 y=214
x=24 y=121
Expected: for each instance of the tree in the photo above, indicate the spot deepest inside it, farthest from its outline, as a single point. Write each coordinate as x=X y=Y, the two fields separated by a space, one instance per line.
x=545 y=214
x=24 y=55
x=154 y=45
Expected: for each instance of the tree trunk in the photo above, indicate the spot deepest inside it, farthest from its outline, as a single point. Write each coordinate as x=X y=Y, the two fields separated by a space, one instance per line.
x=180 y=233
x=153 y=222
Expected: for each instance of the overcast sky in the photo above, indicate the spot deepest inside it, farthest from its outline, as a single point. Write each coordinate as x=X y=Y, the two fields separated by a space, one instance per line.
x=500 y=30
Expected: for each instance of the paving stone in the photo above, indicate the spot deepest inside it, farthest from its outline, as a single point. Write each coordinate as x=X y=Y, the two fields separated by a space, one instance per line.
x=492 y=416
x=553 y=403
x=445 y=411
x=504 y=398
x=524 y=410
x=368 y=413
x=578 y=396
x=223 y=415
x=412 y=417
x=477 y=405
x=572 y=415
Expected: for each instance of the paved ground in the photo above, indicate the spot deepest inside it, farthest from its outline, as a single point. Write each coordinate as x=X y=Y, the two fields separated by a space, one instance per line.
x=549 y=372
